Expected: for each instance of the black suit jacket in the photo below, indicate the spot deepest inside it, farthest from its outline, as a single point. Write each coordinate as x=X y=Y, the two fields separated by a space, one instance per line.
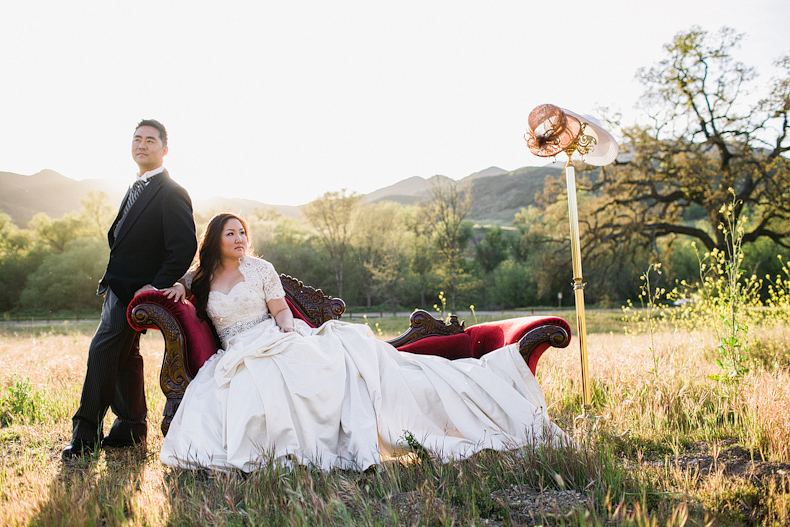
x=156 y=242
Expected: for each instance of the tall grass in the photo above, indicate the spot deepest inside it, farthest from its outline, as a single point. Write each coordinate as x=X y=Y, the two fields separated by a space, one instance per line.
x=656 y=388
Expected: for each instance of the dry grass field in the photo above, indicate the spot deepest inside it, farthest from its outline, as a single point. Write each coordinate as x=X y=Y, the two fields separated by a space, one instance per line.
x=673 y=448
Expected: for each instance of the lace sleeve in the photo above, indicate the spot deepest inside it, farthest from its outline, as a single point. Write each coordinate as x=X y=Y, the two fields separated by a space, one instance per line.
x=188 y=278
x=272 y=286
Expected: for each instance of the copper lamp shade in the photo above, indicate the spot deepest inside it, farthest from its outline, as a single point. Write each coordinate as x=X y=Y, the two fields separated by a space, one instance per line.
x=553 y=130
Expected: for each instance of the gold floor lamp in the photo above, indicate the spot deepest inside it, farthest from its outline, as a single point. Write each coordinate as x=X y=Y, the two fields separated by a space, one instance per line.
x=551 y=131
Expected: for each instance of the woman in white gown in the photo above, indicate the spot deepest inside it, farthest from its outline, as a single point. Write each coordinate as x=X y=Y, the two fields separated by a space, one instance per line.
x=333 y=396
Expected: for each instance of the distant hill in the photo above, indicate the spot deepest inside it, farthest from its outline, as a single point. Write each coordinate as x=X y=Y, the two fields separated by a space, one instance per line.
x=240 y=206
x=497 y=194
x=490 y=171
x=22 y=197
x=497 y=198
x=407 y=192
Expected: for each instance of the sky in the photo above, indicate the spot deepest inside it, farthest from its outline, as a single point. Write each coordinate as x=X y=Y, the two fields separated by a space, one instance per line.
x=281 y=102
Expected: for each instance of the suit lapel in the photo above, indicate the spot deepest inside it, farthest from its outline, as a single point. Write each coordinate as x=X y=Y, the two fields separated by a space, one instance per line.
x=110 y=238
x=139 y=205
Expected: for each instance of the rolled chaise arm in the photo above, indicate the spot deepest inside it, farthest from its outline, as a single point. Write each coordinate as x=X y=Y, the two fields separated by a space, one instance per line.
x=537 y=340
x=534 y=336
x=188 y=341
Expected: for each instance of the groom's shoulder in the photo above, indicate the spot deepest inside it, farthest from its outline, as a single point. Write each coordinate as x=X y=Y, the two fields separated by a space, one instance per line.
x=171 y=185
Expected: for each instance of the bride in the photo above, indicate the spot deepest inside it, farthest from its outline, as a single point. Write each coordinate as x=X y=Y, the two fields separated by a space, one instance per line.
x=333 y=396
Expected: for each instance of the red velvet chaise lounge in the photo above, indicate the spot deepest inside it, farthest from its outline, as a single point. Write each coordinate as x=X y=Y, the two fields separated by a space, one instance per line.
x=189 y=342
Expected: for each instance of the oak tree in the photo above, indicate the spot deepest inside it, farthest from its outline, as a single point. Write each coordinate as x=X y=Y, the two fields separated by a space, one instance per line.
x=708 y=139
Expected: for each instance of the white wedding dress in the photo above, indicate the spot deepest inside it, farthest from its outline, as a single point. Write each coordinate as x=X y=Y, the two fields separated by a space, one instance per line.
x=337 y=397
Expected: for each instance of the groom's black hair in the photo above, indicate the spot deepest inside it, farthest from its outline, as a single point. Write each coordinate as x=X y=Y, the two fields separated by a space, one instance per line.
x=155 y=124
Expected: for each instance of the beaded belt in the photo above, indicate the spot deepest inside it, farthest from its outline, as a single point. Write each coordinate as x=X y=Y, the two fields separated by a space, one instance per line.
x=235 y=329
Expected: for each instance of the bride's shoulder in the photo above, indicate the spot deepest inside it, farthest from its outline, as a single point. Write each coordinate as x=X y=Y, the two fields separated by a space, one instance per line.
x=257 y=263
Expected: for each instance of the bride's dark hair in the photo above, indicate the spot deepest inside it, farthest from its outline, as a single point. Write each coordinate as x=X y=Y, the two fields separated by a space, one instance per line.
x=209 y=256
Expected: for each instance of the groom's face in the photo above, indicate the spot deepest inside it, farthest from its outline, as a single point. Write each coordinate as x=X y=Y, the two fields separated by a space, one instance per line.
x=147 y=149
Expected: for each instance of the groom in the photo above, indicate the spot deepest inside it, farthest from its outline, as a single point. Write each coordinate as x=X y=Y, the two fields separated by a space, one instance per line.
x=152 y=243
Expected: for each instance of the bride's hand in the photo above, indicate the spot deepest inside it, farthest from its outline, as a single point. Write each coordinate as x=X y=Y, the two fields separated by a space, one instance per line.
x=177 y=292
x=288 y=329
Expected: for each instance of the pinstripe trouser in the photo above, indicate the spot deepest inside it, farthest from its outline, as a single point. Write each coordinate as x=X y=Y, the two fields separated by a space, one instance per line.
x=114 y=376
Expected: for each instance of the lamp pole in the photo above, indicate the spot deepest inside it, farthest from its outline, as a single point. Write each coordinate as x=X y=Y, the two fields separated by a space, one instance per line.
x=578 y=283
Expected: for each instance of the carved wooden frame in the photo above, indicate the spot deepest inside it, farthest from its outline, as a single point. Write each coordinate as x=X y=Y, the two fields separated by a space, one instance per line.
x=313 y=303
x=423 y=324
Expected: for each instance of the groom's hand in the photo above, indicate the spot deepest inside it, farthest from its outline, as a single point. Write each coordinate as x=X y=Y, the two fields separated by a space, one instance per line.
x=146 y=287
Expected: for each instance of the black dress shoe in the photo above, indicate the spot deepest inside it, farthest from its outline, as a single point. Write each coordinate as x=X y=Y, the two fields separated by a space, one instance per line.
x=123 y=434
x=111 y=441
x=79 y=448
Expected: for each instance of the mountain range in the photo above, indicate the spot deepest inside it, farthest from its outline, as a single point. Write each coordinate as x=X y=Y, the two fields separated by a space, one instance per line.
x=497 y=194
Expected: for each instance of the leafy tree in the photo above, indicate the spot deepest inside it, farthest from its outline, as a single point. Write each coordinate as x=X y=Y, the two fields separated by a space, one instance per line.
x=535 y=230
x=19 y=254
x=289 y=232
x=292 y=252
x=331 y=216
x=765 y=259
x=263 y=222
x=379 y=234
x=68 y=280
x=422 y=252
x=544 y=248
x=512 y=285
x=608 y=265
x=708 y=133
x=493 y=249
x=393 y=263
x=445 y=212
x=96 y=215
x=56 y=233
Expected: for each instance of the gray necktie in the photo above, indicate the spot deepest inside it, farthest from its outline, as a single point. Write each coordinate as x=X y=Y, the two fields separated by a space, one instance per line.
x=134 y=193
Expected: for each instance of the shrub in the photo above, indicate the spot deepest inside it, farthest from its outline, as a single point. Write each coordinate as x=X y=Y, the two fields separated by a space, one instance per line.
x=67 y=280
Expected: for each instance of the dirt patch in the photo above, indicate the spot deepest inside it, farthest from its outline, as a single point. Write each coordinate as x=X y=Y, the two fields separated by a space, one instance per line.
x=733 y=461
x=529 y=506
x=526 y=505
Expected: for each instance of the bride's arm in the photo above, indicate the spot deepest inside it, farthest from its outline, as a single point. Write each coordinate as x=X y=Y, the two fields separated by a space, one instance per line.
x=282 y=314
x=275 y=297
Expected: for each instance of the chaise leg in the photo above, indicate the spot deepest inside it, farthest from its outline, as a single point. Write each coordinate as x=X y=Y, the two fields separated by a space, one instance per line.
x=171 y=405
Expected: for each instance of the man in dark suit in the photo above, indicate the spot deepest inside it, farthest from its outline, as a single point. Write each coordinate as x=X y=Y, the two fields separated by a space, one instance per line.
x=152 y=243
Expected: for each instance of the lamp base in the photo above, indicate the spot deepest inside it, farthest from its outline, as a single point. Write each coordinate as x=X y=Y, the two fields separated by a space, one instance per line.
x=586 y=423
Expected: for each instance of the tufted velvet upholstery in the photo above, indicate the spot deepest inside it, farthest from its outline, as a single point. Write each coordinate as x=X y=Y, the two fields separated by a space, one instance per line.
x=448 y=346
x=198 y=336
x=297 y=313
